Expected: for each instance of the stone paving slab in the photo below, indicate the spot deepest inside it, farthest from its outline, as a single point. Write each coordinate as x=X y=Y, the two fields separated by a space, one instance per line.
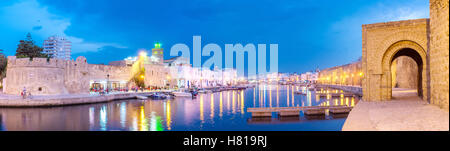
x=405 y=112
x=399 y=115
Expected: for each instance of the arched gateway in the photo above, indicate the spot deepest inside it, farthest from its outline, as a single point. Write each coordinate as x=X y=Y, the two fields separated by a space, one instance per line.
x=426 y=41
x=382 y=44
x=410 y=49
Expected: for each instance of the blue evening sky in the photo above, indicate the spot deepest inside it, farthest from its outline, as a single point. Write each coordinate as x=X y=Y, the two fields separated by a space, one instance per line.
x=309 y=33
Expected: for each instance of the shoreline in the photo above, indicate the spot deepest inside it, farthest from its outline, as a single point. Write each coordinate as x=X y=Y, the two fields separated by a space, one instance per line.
x=67 y=100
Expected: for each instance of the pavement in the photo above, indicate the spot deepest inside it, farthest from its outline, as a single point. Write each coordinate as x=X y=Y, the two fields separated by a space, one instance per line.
x=405 y=112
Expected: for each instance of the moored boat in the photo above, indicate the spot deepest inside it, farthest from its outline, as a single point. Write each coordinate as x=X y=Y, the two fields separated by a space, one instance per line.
x=141 y=97
x=158 y=96
x=181 y=94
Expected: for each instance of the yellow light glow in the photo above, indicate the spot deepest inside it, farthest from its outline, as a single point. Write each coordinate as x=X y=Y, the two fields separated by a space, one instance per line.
x=142 y=76
x=142 y=54
x=168 y=116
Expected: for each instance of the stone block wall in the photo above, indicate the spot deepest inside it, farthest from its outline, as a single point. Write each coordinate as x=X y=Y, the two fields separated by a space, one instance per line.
x=37 y=76
x=55 y=76
x=439 y=51
x=405 y=75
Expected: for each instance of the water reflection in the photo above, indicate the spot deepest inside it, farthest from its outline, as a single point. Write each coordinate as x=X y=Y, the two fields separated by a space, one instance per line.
x=1 y=123
x=103 y=118
x=168 y=115
x=123 y=114
x=213 y=111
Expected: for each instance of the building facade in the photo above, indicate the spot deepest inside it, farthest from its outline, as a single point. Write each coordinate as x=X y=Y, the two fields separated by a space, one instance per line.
x=349 y=74
x=58 y=47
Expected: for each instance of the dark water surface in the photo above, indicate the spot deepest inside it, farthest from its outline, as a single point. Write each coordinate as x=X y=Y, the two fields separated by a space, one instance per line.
x=222 y=111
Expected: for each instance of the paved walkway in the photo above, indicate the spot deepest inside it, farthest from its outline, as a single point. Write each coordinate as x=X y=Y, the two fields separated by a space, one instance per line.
x=406 y=112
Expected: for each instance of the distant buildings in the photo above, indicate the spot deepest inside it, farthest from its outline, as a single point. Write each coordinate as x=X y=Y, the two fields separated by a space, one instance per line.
x=177 y=72
x=58 y=47
x=349 y=74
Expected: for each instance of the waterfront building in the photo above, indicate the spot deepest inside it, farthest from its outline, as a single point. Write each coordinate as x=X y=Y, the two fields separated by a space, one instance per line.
x=179 y=70
x=348 y=74
x=74 y=77
x=57 y=47
x=309 y=77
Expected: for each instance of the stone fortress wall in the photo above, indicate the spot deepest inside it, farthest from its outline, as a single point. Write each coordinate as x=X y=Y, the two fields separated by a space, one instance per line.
x=54 y=76
x=438 y=52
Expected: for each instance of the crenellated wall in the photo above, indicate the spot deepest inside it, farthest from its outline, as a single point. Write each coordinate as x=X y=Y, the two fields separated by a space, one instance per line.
x=38 y=76
x=41 y=76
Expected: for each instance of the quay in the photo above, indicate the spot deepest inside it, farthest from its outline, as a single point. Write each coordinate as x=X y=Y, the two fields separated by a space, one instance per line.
x=357 y=90
x=295 y=111
x=62 y=100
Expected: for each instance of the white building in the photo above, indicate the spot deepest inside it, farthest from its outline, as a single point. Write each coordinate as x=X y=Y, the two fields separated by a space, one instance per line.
x=58 y=47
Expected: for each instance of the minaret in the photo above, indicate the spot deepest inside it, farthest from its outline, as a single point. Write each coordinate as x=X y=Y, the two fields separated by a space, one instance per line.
x=157 y=54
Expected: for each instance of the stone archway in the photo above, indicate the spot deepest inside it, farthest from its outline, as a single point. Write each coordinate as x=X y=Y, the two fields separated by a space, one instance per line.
x=410 y=49
x=382 y=43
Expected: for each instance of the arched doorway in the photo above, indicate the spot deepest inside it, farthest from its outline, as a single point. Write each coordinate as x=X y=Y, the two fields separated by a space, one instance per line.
x=405 y=82
x=412 y=50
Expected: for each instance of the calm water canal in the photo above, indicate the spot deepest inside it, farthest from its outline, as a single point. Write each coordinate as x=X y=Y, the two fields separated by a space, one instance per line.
x=222 y=111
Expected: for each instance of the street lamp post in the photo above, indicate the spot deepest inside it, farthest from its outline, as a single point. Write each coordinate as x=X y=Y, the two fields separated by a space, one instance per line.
x=107 y=83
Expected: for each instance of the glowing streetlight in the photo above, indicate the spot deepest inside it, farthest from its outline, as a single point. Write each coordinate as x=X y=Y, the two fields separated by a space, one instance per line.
x=142 y=54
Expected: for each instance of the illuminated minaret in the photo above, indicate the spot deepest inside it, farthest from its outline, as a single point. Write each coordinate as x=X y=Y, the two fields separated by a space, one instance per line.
x=157 y=54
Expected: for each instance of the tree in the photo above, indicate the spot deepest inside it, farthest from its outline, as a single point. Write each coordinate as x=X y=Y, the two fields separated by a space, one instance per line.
x=27 y=49
x=3 y=63
x=138 y=77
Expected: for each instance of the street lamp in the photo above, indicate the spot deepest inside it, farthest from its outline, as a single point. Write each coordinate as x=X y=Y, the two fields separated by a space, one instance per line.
x=107 y=83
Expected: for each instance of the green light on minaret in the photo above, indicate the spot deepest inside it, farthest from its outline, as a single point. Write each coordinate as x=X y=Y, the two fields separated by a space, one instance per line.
x=157 y=45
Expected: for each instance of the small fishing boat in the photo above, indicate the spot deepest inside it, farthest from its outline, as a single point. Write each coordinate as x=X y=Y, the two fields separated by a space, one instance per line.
x=169 y=95
x=141 y=97
x=158 y=96
x=194 y=93
x=204 y=91
x=181 y=94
